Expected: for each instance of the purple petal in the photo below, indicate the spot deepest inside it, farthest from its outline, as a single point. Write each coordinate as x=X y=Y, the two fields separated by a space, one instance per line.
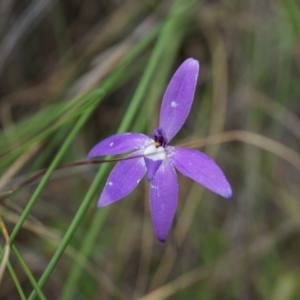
x=120 y=143
x=163 y=199
x=123 y=179
x=178 y=97
x=152 y=166
x=201 y=168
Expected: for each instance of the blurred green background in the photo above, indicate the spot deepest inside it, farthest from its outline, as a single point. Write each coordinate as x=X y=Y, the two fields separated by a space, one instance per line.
x=74 y=72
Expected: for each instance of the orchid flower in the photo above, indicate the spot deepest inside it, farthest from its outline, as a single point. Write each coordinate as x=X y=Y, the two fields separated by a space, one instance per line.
x=154 y=156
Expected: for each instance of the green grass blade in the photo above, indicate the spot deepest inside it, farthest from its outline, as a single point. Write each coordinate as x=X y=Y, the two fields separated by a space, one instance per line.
x=28 y=273
x=16 y=281
x=49 y=172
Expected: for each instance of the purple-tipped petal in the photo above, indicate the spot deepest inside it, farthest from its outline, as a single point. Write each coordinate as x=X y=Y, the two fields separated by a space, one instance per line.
x=163 y=199
x=120 y=143
x=123 y=179
x=202 y=169
x=179 y=97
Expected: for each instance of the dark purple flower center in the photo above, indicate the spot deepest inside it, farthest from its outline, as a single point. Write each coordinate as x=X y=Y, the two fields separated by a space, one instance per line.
x=159 y=137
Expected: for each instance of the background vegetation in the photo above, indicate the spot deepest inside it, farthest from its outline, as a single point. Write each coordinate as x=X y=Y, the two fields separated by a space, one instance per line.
x=74 y=72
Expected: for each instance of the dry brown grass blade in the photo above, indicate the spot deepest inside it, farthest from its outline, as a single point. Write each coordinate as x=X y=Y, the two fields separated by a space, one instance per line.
x=109 y=58
x=18 y=164
x=36 y=227
x=53 y=237
x=100 y=37
x=274 y=109
x=288 y=203
x=219 y=77
x=21 y=29
x=230 y=261
x=6 y=250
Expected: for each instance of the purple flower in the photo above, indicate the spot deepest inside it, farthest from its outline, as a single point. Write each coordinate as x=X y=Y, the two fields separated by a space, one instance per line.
x=158 y=159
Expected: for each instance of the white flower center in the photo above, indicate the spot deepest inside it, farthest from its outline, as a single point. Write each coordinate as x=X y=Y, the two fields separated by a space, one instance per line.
x=155 y=153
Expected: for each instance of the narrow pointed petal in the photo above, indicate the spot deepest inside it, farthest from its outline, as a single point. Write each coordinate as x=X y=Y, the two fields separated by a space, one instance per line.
x=152 y=166
x=163 y=199
x=120 y=143
x=201 y=168
x=179 y=97
x=123 y=179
